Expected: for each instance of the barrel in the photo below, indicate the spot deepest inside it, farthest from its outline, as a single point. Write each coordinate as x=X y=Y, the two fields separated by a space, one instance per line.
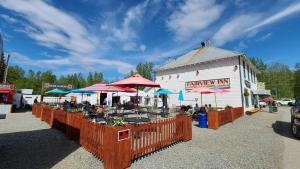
x=202 y=119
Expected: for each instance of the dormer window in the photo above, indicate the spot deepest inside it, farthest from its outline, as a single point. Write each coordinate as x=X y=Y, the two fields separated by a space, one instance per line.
x=177 y=76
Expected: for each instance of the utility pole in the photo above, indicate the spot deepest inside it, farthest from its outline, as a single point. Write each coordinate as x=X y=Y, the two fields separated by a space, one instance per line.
x=6 y=69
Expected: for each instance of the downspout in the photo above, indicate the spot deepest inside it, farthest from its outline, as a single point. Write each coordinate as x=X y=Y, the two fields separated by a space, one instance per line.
x=242 y=97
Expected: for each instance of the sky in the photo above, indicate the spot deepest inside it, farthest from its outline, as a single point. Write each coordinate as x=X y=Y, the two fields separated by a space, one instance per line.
x=113 y=36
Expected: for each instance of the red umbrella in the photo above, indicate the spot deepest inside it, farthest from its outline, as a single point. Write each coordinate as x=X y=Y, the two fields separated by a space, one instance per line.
x=202 y=90
x=135 y=81
x=219 y=91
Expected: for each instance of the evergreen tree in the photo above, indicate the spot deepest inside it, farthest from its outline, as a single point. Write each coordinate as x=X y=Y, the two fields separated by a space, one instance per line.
x=297 y=80
x=90 y=79
x=2 y=66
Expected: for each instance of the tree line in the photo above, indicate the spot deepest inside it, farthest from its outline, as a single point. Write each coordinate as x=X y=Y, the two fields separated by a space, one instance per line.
x=279 y=78
x=33 y=79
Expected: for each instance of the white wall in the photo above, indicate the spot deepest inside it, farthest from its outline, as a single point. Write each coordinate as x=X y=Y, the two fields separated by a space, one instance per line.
x=227 y=68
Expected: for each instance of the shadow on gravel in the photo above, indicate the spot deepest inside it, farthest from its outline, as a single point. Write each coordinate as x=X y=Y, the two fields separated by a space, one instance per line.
x=37 y=149
x=283 y=128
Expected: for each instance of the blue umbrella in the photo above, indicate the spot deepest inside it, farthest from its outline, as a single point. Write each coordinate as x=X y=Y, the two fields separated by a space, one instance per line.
x=180 y=96
x=163 y=91
x=82 y=91
x=56 y=91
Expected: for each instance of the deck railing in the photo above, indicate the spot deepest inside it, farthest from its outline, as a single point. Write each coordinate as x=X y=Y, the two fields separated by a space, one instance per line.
x=218 y=118
x=104 y=141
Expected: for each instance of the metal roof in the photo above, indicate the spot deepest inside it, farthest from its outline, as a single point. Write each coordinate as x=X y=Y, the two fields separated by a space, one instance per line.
x=199 y=55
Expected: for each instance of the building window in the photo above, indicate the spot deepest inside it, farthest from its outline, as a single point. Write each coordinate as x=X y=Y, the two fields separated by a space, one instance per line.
x=248 y=72
x=244 y=68
x=162 y=78
x=251 y=75
x=254 y=74
x=177 y=76
x=170 y=76
x=197 y=72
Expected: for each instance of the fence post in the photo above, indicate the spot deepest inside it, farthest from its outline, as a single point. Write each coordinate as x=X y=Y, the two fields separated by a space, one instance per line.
x=213 y=119
x=117 y=153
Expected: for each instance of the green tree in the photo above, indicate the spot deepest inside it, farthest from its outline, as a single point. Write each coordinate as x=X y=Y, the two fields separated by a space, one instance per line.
x=2 y=66
x=145 y=70
x=297 y=80
x=14 y=74
x=90 y=79
x=98 y=77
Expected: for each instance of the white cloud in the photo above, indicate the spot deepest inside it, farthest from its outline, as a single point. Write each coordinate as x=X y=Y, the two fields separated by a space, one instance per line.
x=60 y=63
x=8 y=18
x=59 y=30
x=294 y=8
x=55 y=27
x=234 y=29
x=193 y=16
x=125 y=33
x=264 y=37
x=242 y=25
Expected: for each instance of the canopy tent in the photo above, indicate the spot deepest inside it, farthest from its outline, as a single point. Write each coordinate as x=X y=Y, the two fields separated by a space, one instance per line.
x=135 y=81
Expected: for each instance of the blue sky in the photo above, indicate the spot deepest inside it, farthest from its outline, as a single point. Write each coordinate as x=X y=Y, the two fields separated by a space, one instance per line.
x=113 y=36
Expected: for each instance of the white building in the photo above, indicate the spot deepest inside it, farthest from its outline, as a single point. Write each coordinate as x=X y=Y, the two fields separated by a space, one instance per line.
x=213 y=68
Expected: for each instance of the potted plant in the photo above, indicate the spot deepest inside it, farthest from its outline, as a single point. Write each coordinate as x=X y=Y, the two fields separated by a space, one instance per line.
x=116 y=121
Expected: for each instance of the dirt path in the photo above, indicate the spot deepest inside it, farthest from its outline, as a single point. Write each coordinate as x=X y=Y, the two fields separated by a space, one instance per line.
x=291 y=153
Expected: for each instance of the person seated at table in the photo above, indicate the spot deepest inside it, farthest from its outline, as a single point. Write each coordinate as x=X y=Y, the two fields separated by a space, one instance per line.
x=100 y=111
x=196 y=108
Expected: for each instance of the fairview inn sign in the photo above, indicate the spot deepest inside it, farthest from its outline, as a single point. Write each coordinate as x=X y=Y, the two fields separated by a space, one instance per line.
x=212 y=83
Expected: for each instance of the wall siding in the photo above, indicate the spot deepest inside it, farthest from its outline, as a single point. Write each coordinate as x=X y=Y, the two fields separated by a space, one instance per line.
x=212 y=70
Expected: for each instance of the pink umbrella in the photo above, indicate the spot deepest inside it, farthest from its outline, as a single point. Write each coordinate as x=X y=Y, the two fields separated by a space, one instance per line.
x=102 y=87
x=135 y=81
x=219 y=91
x=202 y=90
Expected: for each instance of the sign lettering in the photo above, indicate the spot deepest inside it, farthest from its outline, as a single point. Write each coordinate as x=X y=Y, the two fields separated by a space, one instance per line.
x=211 y=84
x=48 y=85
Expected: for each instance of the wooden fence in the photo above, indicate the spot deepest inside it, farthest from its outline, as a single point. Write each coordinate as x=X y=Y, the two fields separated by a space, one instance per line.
x=46 y=114
x=218 y=118
x=59 y=120
x=104 y=141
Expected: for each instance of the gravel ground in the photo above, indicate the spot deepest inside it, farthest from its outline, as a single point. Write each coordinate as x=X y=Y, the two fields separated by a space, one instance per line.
x=28 y=143
x=249 y=142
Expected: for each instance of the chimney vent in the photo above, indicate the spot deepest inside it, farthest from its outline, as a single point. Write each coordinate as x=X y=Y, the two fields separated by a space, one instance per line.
x=202 y=44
